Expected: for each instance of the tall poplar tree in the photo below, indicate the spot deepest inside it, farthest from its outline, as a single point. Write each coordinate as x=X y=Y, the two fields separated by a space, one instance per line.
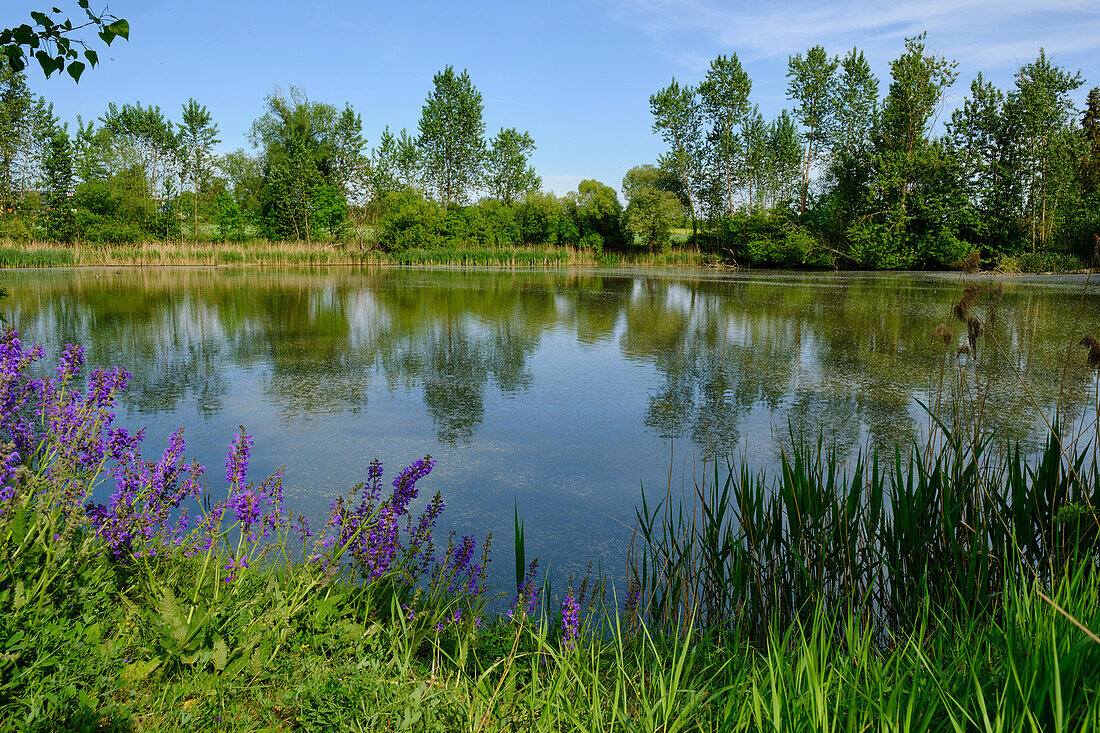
x=452 y=136
x=1041 y=100
x=198 y=136
x=919 y=84
x=677 y=118
x=811 y=84
x=725 y=99
x=856 y=105
x=508 y=173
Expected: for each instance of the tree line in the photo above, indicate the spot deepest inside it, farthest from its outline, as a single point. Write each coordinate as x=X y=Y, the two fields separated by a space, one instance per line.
x=853 y=176
x=846 y=177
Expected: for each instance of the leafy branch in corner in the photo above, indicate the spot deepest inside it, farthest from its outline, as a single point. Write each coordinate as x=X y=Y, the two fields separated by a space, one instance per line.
x=52 y=41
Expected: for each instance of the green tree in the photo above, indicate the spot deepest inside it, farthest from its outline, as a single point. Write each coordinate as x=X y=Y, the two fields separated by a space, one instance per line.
x=92 y=151
x=677 y=118
x=395 y=165
x=753 y=168
x=198 y=136
x=452 y=137
x=244 y=180
x=57 y=165
x=300 y=196
x=143 y=136
x=1041 y=101
x=538 y=216
x=55 y=42
x=349 y=161
x=725 y=100
x=509 y=173
x=20 y=118
x=598 y=214
x=1090 y=128
x=783 y=162
x=651 y=208
x=811 y=83
x=856 y=105
x=982 y=137
x=228 y=217
x=918 y=84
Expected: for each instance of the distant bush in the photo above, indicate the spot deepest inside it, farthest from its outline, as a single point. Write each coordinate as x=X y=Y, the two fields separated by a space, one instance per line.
x=770 y=238
x=1040 y=262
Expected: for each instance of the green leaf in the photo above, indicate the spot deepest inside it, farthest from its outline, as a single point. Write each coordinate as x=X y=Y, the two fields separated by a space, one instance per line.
x=75 y=69
x=92 y=56
x=137 y=671
x=172 y=614
x=221 y=654
x=46 y=62
x=120 y=28
x=107 y=36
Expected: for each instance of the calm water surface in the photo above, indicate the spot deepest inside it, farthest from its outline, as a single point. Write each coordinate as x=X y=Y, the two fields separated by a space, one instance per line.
x=557 y=392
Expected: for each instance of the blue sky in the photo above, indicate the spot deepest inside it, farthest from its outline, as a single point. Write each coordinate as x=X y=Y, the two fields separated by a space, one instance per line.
x=576 y=75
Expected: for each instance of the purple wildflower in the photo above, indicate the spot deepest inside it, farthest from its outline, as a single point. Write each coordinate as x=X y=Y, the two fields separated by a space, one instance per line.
x=527 y=597
x=8 y=466
x=234 y=566
x=570 y=621
x=70 y=362
x=236 y=461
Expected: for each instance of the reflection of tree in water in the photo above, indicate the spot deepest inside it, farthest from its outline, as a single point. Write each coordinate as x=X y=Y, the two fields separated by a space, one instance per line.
x=841 y=354
x=454 y=378
x=315 y=367
x=455 y=362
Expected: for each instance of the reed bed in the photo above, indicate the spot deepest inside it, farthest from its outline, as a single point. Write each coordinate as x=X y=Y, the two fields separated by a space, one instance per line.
x=268 y=253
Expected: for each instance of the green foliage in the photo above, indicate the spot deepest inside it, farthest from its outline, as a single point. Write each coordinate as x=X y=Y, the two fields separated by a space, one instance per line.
x=408 y=220
x=117 y=210
x=452 y=137
x=724 y=95
x=538 y=217
x=508 y=172
x=812 y=84
x=229 y=218
x=678 y=118
x=770 y=237
x=651 y=210
x=596 y=210
x=198 y=136
x=54 y=44
x=1040 y=262
x=305 y=159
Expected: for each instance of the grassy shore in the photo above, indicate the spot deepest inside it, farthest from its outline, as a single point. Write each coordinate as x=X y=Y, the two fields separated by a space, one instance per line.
x=952 y=585
x=263 y=252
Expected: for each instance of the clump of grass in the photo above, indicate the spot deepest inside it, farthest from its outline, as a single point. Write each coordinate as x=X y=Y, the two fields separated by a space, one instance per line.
x=12 y=256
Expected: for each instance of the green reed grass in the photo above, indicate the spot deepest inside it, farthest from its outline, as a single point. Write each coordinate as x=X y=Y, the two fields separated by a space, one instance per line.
x=264 y=252
x=940 y=528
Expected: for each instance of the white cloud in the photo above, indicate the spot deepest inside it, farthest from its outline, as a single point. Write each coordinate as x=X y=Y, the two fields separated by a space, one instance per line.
x=981 y=32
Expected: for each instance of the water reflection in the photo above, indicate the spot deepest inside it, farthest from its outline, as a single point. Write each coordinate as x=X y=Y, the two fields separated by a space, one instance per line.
x=558 y=390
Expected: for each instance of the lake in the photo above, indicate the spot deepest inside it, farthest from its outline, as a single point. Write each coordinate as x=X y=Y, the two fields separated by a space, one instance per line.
x=557 y=392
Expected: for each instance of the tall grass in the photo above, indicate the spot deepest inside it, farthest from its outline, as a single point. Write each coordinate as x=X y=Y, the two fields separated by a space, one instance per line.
x=743 y=553
x=268 y=253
